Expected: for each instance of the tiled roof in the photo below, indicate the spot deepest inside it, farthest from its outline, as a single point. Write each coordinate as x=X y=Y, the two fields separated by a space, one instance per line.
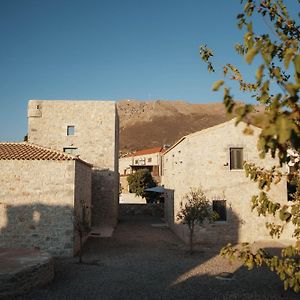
x=147 y=151
x=27 y=151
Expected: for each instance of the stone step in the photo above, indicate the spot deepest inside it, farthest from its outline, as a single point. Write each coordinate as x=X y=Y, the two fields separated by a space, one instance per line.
x=104 y=231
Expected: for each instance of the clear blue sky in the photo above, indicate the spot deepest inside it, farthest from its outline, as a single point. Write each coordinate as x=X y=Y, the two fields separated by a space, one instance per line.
x=110 y=50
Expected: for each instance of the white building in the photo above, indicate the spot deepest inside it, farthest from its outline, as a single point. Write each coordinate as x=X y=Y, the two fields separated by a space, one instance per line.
x=150 y=159
x=213 y=160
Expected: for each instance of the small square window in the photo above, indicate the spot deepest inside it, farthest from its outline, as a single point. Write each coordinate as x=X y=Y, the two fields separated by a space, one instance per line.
x=70 y=130
x=236 y=158
x=291 y=183
x=70 y=150
x=136 y=161
x=219 y=206
x=149 y=159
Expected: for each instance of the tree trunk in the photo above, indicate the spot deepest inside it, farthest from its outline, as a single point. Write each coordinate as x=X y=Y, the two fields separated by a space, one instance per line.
x=80 y=249
x=191 y=239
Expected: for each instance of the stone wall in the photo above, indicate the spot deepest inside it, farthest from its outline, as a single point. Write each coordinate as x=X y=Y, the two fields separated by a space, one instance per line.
x=124 y=184
x=95 y=139
x=22 y=270
x=147 y=209
x=202 y=160
x=124 y=165
x=37 y=205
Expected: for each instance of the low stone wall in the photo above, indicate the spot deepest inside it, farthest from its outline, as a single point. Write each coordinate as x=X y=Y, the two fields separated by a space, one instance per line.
x=149 y=209
x=22 y=270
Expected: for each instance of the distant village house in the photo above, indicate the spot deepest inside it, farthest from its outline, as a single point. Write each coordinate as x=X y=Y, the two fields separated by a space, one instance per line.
x=150 y=159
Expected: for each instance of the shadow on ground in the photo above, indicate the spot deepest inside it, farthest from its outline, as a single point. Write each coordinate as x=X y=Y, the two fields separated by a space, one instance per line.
x=145 y=262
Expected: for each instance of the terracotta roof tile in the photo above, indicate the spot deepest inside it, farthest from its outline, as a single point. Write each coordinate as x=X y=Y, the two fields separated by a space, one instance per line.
x=28 y=151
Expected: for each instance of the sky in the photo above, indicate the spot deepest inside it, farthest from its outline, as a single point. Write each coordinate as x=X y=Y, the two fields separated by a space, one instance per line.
x=111 y=50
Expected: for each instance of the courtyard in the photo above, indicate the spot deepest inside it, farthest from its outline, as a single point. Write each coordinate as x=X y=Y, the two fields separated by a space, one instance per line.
x=144 y=260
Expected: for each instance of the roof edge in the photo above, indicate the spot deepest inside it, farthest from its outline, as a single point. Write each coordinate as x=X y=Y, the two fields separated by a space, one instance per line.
x=67 y=155
x=233 y=120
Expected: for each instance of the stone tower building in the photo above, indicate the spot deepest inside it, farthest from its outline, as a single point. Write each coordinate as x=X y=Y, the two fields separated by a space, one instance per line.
x=88 y=129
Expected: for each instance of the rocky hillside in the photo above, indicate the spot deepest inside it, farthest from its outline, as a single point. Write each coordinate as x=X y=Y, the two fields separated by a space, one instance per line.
x=155 y=123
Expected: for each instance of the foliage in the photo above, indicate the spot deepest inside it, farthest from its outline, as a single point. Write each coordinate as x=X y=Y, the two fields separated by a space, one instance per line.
x=276 y=87
x=139 y=181
x=195 y=209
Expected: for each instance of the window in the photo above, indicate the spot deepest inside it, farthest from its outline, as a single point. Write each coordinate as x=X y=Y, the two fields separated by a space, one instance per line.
x=70 y=130
x=149 y=159
x=70 y=150
x=136 y=161
x=291 y=183
x=219 y=206
x=236 y=158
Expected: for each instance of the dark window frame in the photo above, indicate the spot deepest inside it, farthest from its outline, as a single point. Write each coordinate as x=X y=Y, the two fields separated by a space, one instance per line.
x=70 y=130
x=291 y=183
x=236 y=158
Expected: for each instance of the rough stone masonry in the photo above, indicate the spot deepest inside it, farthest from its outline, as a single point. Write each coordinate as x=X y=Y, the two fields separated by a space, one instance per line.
x=88 y=129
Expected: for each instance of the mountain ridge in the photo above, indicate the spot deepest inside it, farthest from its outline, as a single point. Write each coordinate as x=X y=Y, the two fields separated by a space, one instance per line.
x=147 y=124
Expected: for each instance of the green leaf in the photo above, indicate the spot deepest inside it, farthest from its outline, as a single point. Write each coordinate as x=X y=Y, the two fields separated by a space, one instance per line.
x=259 y=73
x=287 y=57
x=292 y=88
x=284 y=128
x=250 y=55
x=286 y=284
x=297 y=68
x=250 y=27
x=217 y=85
x=269 y=131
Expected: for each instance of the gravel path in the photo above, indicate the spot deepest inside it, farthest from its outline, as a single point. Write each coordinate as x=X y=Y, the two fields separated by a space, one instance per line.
x=145 y=262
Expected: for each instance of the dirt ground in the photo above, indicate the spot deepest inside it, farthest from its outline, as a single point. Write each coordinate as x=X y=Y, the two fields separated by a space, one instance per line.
x=145 y=262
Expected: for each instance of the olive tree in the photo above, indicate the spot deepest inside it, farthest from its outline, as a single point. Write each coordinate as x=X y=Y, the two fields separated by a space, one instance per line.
x=139 y=181
x=81 y=225
x=276 y=87
x=195 y=209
